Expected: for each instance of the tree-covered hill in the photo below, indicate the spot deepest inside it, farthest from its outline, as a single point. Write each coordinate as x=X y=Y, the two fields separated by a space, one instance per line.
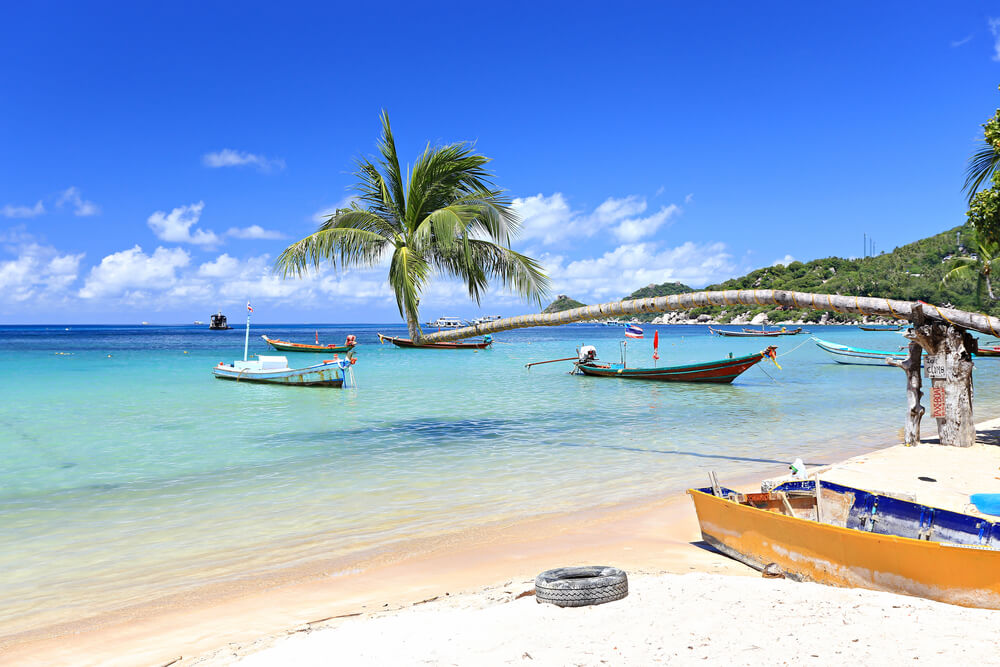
x=910 y=272
x=663 y=289
x=562 y=303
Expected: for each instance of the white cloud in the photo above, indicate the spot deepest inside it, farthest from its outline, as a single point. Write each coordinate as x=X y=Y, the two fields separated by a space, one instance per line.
x=176 y=226
x=81 y=206
x=688 y=198
x=961 y=42
x=221 y=267
x=995 y=29
x=11 y=211
x=254 y=232
x=784 y=261
x=634 y=265
x=37 y=272
x=124 y=273
x=230 y=158
x=551 y=220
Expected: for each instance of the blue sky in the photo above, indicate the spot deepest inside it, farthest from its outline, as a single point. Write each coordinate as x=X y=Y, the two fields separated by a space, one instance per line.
x=155 y=158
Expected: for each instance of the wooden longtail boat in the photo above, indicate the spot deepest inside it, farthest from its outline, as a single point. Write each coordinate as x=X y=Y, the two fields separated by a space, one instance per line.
x=845 y=354
x=989 y=351
x=275 y=370
x=849 y=537
x=745 y=334
x=460 y=345
x=880 y=327
x=780 y=332
x=287 y=346
x=722 y=371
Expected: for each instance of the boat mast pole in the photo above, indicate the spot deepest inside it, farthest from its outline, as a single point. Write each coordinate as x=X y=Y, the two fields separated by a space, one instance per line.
x=246 y=339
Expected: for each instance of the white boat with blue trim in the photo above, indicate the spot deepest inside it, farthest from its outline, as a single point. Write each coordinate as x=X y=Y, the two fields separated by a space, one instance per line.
x=275 y=370
x=845 y=354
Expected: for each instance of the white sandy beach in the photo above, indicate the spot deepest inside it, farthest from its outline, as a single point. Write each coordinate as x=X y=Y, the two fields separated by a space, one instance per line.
x=456 y=601
x=685 y=618
x=694 y=618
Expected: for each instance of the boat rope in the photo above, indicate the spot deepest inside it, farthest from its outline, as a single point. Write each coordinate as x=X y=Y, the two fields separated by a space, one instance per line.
x=785 y=354
x=942 y=315
x=894 y=313
x=767 y=374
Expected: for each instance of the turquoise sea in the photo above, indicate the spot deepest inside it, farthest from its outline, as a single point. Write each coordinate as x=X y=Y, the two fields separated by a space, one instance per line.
x=128 y=471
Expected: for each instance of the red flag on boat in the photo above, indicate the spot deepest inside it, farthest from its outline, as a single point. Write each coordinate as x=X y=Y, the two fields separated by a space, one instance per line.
x=249 y=307
x=656 y=344
x=317 y=336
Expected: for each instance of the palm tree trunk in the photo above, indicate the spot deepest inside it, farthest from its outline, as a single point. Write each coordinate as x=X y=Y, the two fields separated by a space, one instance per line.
x=861 y=305
x=946 y=338
x=989 y=289
x=413 y=324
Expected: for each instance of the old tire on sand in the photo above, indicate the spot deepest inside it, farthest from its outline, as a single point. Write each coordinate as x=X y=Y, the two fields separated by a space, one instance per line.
x=581 y=586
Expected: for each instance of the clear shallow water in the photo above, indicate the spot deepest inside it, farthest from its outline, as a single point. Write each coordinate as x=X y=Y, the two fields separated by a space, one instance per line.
x=137 y=474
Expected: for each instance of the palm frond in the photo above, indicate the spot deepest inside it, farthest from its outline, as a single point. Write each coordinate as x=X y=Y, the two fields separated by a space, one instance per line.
x=408 y=273
x=981 y=166
x=345 y=246
x=393 y=175
x=481 y=260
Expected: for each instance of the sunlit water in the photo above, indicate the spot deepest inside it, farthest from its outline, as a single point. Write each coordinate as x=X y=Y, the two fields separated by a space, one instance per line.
x=128 y=471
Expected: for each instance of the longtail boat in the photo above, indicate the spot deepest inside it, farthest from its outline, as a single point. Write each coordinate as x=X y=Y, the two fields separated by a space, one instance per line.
x=287 y=346
x=723 y=371
x=781 y=332
x=844 y=536
x=880 y=327
x=460 y=345
x=745 y=334
x=275 y=370
x=845 y=354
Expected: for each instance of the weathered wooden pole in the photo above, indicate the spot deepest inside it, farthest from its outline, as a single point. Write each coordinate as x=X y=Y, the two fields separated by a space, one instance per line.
x=949 y=366
x=915 y=411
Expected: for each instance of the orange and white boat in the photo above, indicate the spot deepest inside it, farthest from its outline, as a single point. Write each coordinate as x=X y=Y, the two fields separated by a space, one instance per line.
x=844 y=536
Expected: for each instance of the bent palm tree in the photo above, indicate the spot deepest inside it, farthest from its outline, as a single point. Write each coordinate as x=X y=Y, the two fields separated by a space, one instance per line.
x=447 y=218
x=981 y=266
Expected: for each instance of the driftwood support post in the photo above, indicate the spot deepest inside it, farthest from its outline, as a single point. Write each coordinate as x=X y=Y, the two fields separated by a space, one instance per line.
x=949 y=366
x=911 y=366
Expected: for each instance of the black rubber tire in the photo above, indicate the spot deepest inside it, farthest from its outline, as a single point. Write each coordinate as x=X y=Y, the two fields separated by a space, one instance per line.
x=581 y=586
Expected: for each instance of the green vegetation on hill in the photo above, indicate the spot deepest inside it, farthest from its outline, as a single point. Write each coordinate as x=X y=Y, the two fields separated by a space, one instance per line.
x=910 y=272
x=663 y=289
x=562 y=303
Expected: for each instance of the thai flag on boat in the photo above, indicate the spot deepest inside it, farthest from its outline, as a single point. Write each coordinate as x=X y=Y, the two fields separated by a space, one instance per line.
x=632 y=331
x=249 y=307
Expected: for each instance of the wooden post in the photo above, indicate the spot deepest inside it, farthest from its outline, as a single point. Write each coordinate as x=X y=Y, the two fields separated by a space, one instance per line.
x=915 y=411
x=949 y=366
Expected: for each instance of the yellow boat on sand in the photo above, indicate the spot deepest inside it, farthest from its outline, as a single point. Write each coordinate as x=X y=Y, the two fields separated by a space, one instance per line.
x=844 y=536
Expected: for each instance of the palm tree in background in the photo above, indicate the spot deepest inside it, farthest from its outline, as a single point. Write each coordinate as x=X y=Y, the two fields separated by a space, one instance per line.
x=980 y=266
x=446 y=218
x=983 y=163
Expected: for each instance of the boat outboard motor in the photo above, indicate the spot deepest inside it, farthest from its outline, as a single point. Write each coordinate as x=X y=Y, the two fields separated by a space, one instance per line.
x=588 y=353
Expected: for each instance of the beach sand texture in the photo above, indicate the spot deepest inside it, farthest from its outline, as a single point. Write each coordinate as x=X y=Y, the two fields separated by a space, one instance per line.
x=672 y=619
